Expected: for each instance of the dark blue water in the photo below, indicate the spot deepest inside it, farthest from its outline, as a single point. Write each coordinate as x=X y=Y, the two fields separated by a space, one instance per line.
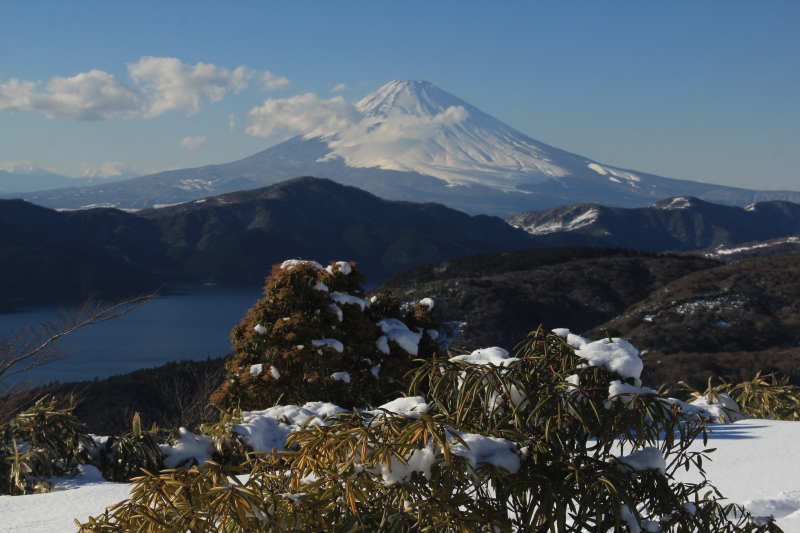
x=191 y=322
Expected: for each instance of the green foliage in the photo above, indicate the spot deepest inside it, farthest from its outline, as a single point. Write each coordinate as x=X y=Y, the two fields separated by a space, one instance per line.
x=40 y=442
x=280 y=331
x=46 y=441
x=383 y=472
x=760 y=397
x=122 y=458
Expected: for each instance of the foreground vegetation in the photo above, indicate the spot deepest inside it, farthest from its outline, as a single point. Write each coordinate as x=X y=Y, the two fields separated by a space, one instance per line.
x=556 y=438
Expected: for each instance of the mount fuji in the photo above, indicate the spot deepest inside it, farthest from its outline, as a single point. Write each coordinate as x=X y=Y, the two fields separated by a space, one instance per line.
x=410 y=140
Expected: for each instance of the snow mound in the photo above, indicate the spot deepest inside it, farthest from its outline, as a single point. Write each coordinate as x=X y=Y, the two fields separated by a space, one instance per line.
x=189 y=449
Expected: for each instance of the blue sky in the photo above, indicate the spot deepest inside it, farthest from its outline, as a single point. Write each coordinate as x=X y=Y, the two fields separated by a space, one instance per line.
x=700 y=90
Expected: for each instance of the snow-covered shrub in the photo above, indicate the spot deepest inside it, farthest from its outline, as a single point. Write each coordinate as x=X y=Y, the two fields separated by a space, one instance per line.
x=38 y=443
x=562 y=437
x=315 y=336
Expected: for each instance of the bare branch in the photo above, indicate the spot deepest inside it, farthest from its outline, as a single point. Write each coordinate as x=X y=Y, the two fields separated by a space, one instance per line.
x=36 y=343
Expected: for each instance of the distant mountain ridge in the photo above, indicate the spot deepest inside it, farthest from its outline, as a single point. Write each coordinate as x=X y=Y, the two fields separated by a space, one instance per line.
x=27 y=179
x=681 y=223
x=235 y=238
x=410 y=140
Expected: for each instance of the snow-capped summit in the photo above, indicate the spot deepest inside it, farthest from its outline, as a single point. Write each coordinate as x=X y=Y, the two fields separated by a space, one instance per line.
x=414 y=126
x=411 y=140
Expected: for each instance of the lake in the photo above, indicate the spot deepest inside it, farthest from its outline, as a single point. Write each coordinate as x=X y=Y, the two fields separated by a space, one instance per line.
x=190 y=322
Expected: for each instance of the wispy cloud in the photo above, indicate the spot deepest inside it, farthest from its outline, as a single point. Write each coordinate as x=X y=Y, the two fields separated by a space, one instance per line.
x=301 y=113
x=160 y=84
x=313 y=115
x=193 y=143
x=271 y=82
x=339 y=87
x=231 y=121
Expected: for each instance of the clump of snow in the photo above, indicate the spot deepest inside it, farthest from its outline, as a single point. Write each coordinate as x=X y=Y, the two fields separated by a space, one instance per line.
x=342 y=266
x=268 y=429
x=383 y=344
x=341 y=376
x=428 y=302
x=256 y=369
x=433 y=334
x=398 y=332
x=376 y=370
x=417 y=461
x=333 y=343
x=292 y=263
x=492 y=450
x=716 y=411
x=275 y=372
x=724 y=400
x=320 y=287
x=342 y=298
x=573 y=340
x=261 y=329
x=648 y=458
x=615 y=355
x=188 y=449
x=409 y=407
x=487 y=356
x=338 y=311
x=624 y=392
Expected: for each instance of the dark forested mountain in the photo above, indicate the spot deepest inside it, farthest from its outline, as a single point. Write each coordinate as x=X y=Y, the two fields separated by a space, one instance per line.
x=48 y=255
x=234 y=238
x=410 y=140
x=681 y=223
x=730 y=320
x=496 y=300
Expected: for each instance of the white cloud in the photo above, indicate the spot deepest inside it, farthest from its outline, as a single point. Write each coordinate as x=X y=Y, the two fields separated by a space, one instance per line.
x=402 y=126
x=301 y=113
x=231 y=121
x=171 y=84
x=193 y=143
x=340 y=87
x=93 y=95
x=271 y=82
x=160 y=84
x=314 y=116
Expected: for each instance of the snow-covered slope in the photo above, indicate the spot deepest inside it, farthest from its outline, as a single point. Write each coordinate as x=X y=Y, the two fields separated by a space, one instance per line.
x=410 y=140
x=417 y=127
x=680 y=223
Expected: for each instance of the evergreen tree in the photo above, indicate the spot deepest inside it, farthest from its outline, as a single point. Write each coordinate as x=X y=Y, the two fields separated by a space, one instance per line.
x=316 y=337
